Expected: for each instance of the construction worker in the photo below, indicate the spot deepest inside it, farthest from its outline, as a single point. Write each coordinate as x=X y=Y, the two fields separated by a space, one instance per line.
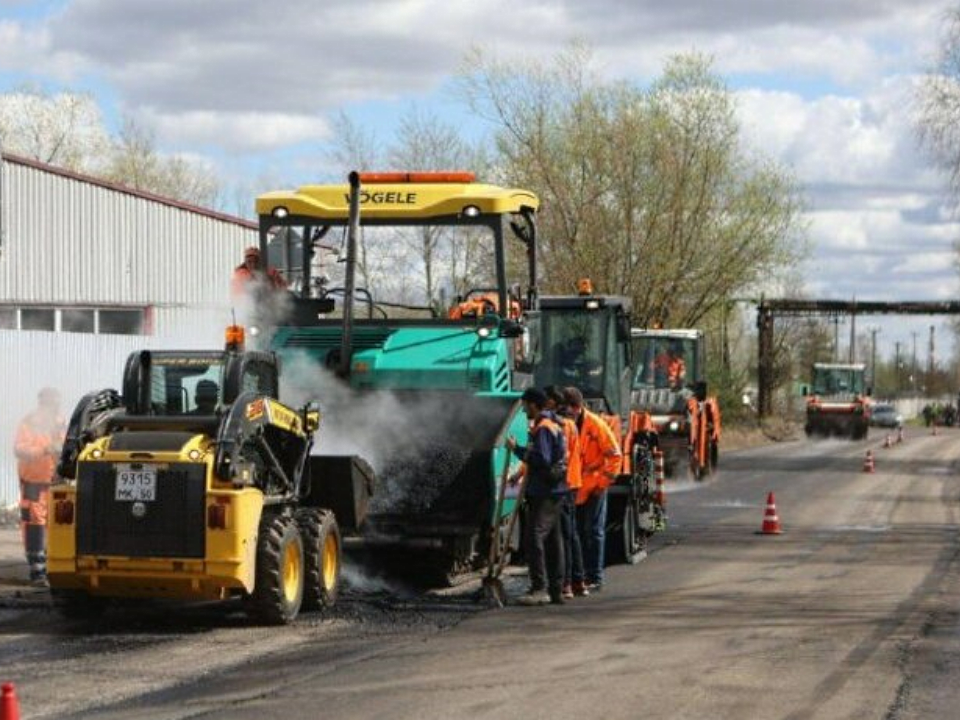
x=476 y=306
x=669 y=365
x=250 y=270
x=205 y=397
x=546 y=489
x=600 y=462
x=37 y=447
x=574 y=581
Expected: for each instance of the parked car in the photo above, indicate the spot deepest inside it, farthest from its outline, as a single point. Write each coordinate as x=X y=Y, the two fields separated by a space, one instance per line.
x=885 y=415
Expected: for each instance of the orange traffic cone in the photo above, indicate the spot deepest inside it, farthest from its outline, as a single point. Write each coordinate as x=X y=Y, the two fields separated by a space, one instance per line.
x=868 y=465
x=9 y=706
x=771 y=523
x=660 y=495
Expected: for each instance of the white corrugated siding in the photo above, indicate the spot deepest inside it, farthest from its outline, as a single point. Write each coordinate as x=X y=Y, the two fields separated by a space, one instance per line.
x=75 y=364
x=67 y=241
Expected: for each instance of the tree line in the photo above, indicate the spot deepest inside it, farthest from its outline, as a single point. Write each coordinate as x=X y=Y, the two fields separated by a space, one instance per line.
x=652 y=191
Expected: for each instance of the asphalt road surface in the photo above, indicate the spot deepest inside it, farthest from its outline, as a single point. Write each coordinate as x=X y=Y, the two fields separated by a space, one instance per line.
x=851 y=613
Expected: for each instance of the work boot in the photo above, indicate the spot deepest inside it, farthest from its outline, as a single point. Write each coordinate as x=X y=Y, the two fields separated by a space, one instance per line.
x=567 y=592
x=533 y=597
x=39 y=580
x=580 y=589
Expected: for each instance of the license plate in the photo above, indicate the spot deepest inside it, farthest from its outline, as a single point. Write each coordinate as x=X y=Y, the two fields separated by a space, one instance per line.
x=136 y=483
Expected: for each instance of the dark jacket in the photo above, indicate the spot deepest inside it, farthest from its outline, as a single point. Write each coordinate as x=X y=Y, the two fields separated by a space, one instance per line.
x=546 y=449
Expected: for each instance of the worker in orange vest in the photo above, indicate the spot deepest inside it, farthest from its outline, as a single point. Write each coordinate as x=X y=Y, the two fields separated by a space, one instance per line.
x=250 y=270
x=37 y=447
x=574 y=581
x=477 y=306
x=671 y=366
x=600 y=463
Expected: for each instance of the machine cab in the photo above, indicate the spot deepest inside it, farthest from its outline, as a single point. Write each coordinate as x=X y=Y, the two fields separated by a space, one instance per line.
x=584 y=342
x=190 y=382
x=667 y=359
x=838 y=380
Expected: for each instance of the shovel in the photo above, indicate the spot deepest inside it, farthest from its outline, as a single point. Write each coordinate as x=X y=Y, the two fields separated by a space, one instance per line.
x=492 y=588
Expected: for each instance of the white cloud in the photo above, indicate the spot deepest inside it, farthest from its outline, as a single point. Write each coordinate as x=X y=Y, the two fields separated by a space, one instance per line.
x=236 y=131
x=878 y=220
x=245 y=77
x=301 y=56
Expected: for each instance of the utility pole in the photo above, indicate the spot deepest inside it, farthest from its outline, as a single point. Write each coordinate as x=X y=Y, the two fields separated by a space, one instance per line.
x=931 y=358
x=913 y=365
x=853 y=336
x=896 y=363
x=836 y=338
x=873 y=357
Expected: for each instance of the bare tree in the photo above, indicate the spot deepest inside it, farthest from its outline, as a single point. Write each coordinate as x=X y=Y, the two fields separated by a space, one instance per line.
x=938 y=102
x=650 y=192
x=134 y=161
x=67 y=130
x=355 y=148
x=424 y=142
x=64 y=129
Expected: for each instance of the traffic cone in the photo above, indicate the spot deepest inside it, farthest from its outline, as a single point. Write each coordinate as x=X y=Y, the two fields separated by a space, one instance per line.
x=771 y=523
x=900 y=434
x=9 y=706
x=886 y=441
x=660 y=495
x=934 y=429
x=868 y=465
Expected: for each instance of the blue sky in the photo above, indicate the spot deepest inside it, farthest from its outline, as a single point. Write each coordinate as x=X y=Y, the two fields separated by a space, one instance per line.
x=824 y=86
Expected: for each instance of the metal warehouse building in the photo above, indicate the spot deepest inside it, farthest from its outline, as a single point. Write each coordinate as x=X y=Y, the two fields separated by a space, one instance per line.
x=90 y=271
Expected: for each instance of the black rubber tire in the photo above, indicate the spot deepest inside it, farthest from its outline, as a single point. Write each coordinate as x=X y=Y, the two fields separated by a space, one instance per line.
x=79 y=605
x=269 y=602
x=626 y=542
x=321 y=582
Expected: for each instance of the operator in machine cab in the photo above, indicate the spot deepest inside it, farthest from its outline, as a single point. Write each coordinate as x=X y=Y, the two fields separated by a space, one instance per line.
x=545 y=493
x=577 y=366
x=205 y=397
x=249 y=272
x=670 y=369
x=478 y=305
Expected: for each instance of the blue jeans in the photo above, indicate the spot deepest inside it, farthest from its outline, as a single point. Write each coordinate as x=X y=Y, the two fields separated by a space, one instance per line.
x=592 y=523
x=572 y=552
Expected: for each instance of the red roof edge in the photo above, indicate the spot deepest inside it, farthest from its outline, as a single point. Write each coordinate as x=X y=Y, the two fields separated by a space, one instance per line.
x=116 y=187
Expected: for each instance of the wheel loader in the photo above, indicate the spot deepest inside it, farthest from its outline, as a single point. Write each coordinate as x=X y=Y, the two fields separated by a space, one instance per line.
x=669 y=384
x=432 y=394
x=196 y=483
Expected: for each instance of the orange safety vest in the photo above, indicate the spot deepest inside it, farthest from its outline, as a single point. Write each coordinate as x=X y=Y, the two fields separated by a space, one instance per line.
x=600 y=456
x=35 y=446
x=478 y=306
x=574 y=474
x=242 y=276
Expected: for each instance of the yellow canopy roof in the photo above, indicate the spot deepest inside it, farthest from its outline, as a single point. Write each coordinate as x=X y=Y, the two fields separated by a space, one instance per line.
x=398 y=200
